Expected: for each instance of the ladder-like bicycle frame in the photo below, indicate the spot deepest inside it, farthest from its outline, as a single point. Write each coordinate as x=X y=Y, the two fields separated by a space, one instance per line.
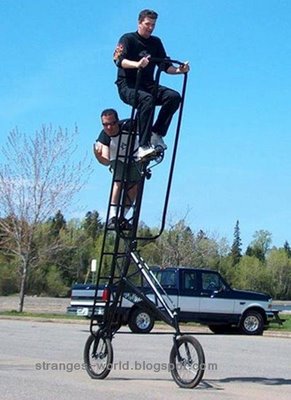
x=121 y=265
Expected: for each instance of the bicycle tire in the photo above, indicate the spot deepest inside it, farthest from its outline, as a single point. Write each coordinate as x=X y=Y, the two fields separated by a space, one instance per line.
x=98 y=362
x=188 y=367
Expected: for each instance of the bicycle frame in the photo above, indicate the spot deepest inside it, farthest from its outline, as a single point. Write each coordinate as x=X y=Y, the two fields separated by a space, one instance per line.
x=125 y=245
x=119 y=254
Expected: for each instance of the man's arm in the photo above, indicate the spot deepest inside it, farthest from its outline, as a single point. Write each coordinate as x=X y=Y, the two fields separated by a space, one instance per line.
x=102 y=153
x=142 y=63
x=182 y=69
x=121 y=55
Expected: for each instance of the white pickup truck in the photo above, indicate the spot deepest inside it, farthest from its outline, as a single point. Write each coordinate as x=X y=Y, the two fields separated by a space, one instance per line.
x=202 y=296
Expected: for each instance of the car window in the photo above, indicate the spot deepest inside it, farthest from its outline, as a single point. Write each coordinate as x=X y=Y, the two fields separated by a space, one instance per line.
x=189 y=280
x=211 y=281
x=166 y=278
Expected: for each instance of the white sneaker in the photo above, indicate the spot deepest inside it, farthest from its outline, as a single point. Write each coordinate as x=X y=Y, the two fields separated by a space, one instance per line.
x=157 y=140
x=144 y=151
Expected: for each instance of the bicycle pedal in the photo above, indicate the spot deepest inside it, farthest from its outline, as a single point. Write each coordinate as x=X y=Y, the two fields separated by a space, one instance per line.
x=149 y=157
x=159 y=149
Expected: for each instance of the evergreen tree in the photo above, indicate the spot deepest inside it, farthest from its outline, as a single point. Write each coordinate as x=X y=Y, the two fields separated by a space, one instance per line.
x=236 y=245
x=92 y=224
x=287 y=248
x=201 y=235
x=58 y=223
x=249 y=251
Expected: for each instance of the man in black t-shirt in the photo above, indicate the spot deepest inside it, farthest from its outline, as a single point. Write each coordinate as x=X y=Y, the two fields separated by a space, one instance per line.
x=134 y=51
x=106 y=150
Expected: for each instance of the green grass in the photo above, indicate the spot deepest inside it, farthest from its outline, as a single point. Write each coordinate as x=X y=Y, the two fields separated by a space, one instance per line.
x=286 y=324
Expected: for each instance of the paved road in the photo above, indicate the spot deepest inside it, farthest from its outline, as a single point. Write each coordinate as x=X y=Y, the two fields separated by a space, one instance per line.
x=42 y=360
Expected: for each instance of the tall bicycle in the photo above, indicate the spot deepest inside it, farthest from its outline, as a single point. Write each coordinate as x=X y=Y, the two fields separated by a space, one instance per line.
x=123 y=275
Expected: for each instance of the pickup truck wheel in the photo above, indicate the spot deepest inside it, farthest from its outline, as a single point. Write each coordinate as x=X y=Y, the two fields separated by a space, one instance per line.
x=141 y=321
x=252 y=323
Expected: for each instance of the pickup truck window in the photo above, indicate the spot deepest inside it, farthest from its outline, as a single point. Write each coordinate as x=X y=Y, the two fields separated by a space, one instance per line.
x=189 y=281
x=167 y=278
x=211 y=281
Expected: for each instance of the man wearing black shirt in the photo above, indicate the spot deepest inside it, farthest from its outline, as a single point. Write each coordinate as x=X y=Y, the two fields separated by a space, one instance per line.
x=135 y=51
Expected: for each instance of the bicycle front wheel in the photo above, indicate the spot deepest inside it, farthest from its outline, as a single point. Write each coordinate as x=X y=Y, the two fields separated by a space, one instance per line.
x=187 y=362
x=98 y=357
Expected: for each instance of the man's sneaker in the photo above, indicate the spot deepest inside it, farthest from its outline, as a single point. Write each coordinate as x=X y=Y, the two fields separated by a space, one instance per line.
x=124 y=224
x=158 y=141
x=145 y=151
x=111 y=223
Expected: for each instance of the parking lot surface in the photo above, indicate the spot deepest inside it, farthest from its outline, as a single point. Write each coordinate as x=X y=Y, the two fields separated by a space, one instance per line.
x=44 y=360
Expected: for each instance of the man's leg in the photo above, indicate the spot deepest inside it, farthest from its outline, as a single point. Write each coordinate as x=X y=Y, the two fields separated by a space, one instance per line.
x=114 y=200
x=169 y=100
x=144 y=111
x=117 y=168
x=129 y=194
x=130 y=197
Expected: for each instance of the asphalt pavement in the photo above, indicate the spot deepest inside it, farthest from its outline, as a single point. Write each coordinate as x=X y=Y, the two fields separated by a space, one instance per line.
x=44 y=360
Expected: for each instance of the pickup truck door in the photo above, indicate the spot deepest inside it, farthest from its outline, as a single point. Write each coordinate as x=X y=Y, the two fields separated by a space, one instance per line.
x=213 y=297
x=189 y=296
x=168 y=280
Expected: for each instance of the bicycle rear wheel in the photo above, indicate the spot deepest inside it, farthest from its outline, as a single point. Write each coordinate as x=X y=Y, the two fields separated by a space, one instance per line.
x=187 y=362
x=98 y=356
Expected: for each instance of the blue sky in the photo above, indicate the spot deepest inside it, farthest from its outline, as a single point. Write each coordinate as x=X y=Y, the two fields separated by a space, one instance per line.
x=233 y=160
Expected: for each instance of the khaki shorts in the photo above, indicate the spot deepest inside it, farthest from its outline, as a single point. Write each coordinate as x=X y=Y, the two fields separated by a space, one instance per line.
x=134 y=174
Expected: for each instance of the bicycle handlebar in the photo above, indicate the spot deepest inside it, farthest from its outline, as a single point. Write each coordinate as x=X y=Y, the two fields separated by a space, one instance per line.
x=165 y=60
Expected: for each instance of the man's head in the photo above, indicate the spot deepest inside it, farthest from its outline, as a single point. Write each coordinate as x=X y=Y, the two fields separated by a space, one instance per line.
x=146 y=23
x=109 y=119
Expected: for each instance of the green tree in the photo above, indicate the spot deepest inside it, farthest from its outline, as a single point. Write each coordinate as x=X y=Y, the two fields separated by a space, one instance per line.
x=54 y=284
x=75 y=251
x=236 y=245
x=205 y=251
x=177 y=245
x=92 y=224
x=287 y=248
x=9 y=280
x=260 y=245
x=279 y=267
x=57 y=223
x=251 y=274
